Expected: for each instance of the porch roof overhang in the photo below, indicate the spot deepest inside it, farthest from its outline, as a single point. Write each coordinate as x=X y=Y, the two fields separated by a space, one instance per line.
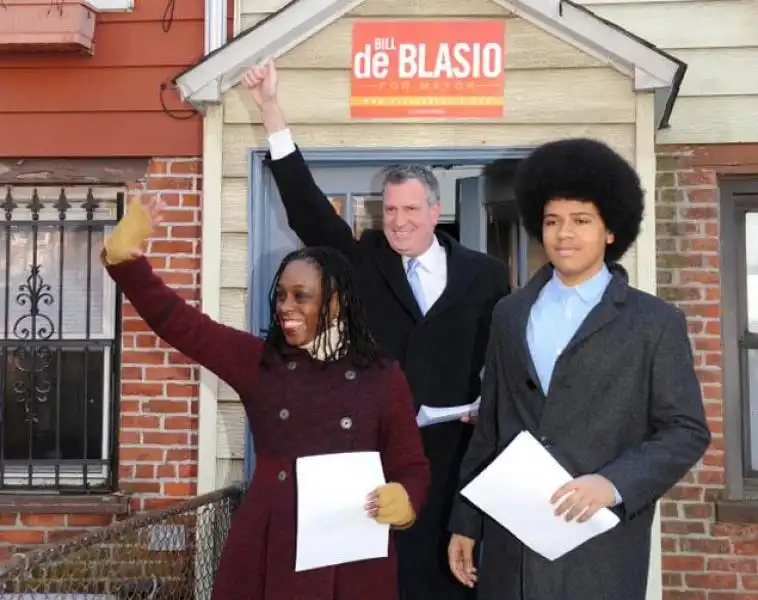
x=649 y=68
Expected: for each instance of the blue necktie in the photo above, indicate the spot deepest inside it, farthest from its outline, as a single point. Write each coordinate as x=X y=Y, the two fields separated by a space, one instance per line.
x=415 y=282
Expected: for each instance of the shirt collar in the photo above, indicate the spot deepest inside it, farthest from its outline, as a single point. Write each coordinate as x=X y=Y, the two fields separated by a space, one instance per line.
x=590 y=291
x=430 y=259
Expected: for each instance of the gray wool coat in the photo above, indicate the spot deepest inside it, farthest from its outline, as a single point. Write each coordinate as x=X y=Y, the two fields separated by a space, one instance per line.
x=624 y=401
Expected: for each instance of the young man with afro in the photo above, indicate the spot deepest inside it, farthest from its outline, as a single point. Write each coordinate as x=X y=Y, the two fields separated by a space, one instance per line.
x=599 y=372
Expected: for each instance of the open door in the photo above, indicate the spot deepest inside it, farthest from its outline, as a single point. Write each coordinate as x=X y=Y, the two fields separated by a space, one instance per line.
x=471 y=216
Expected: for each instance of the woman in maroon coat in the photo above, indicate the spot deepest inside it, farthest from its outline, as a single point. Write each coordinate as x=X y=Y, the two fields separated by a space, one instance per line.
x=316 y=385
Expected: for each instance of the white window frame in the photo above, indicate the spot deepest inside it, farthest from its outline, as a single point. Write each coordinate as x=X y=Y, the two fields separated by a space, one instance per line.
x=114 y=5
x=43 y=477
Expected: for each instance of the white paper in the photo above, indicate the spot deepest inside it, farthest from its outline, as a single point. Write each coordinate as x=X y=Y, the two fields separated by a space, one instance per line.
x=515 y=490
x=333 y=526
x=431 y=415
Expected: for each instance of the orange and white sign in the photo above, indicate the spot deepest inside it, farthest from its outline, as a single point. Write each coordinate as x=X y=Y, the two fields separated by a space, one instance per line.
x=428 y=69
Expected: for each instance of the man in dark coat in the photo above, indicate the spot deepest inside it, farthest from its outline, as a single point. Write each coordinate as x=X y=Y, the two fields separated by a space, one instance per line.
x=433 y=319
x=599 y=372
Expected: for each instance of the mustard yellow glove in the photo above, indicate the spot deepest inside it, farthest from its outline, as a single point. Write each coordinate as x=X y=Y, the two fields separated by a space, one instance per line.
x=393 y=506
x=130 y=233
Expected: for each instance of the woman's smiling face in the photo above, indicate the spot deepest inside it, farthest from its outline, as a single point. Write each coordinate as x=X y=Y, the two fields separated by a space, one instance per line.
x=298 y=302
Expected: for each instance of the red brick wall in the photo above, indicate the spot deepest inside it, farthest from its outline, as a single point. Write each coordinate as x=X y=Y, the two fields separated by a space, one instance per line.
x=702 y=559
x=159 y=387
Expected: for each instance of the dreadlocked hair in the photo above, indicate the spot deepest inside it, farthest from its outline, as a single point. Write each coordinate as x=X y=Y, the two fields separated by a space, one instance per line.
x=337 y=276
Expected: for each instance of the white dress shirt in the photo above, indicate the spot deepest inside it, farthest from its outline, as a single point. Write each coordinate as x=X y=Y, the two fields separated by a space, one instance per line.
x=281 y=144
x=432 y=271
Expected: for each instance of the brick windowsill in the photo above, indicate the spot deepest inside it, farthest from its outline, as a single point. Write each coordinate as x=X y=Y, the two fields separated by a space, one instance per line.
x=737 y=511
x=110 y=504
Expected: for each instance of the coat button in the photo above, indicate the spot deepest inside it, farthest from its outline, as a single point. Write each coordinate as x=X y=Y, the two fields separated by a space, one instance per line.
x=284 y=414
x=350 y=375
x=346 y=422
x=282 y=475
x=545 y=441
x=292 y=365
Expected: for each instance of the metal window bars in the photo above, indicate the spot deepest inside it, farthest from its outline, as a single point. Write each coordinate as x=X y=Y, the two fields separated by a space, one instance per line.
x=58 y=329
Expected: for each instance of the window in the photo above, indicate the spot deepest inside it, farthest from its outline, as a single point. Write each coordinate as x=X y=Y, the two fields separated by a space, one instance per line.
x=739 y=241
x=58 y=354
x=361 y=211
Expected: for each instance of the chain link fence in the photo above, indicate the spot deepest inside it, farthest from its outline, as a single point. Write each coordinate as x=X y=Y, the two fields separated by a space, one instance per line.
x=169 y=554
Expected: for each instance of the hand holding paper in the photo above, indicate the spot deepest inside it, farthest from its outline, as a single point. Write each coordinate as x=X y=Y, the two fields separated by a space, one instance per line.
x=583 y=497
x=333 y=526
x=389 y=504
x=516 y=490
x=432 y=415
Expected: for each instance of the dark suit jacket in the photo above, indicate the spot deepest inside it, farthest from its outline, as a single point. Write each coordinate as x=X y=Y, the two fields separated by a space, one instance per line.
x=624 y=401
x=442 y=353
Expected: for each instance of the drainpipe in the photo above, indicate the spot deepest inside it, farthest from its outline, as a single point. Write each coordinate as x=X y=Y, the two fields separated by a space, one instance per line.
x=215 y=24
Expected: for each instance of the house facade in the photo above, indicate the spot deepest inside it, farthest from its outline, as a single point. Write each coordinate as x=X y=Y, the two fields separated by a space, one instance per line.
x=669 y=84
x=145 y=427
x=628 y=89
x=99 y=418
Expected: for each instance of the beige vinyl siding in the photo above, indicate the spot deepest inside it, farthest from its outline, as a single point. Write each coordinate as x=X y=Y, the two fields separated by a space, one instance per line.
x=531 y=97
x=718 y=101
x=229 y=471
x=552 y=90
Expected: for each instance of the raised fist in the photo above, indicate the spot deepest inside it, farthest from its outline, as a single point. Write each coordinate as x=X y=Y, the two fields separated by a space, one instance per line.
x=262 y=83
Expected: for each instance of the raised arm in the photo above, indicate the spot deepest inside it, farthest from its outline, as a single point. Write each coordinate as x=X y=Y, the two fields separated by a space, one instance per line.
x=231 y=354
x=309 y=212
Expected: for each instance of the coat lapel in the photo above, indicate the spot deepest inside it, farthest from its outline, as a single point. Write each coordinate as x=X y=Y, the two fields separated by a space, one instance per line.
x=391 y=267
x=460 y=275
x=527 y=298
x=607 y=310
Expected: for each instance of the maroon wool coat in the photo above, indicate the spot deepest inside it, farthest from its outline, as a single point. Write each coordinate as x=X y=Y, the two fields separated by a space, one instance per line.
x=296 y=407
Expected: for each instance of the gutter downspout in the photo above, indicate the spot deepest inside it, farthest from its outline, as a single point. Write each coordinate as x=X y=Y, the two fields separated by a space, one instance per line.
x=215 y=29
x=215 y=24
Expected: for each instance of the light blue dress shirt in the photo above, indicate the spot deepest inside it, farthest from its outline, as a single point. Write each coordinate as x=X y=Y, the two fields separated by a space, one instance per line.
x=557 y=315
x=555 y=318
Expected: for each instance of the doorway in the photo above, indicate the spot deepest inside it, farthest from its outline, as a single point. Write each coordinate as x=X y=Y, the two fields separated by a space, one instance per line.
x=507 y=240
x=472 y=213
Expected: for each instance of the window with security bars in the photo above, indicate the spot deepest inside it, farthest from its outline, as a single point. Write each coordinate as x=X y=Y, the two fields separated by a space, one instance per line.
x=58 y=351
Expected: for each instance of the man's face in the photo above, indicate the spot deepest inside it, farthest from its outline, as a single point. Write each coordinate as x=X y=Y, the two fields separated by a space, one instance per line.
x=409 y=220
x=575 y=238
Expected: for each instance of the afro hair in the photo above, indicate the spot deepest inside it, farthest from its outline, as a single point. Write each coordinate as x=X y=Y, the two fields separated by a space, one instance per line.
x=588 y=171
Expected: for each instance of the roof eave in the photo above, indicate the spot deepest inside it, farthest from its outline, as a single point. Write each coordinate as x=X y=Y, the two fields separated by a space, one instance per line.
x=270 y=38
x=651 y=69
